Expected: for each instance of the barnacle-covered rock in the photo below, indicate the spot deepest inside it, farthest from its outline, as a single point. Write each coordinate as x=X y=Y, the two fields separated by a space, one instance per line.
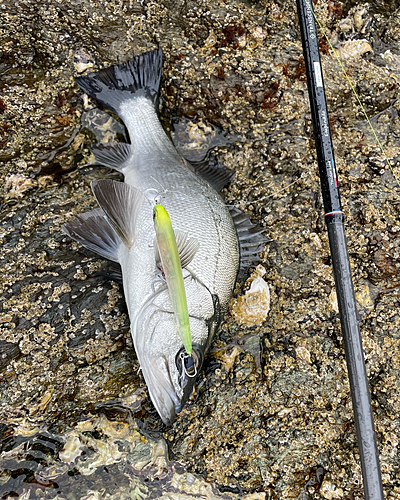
x=272 y=415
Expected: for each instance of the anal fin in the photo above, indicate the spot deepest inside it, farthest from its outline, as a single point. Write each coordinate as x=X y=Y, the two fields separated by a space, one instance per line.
x=251 y=239
x=92 y=230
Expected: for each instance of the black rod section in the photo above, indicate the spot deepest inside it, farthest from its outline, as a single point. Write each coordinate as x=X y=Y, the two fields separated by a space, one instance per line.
x=334 y=218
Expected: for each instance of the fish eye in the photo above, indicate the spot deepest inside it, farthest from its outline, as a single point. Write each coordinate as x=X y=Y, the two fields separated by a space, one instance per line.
x=188 y=364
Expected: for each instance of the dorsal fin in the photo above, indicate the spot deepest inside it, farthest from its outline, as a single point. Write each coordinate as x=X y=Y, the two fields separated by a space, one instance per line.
x=116 y=155
x=213 y=172
x=92 y=230
x=251 y=239
x=187 y=248
x=121 y=204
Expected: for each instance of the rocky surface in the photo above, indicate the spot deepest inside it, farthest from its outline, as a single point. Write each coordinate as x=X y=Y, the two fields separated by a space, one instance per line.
x=272 y=415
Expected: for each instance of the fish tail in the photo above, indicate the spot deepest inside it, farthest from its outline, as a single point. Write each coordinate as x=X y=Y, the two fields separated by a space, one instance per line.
x=115 y=85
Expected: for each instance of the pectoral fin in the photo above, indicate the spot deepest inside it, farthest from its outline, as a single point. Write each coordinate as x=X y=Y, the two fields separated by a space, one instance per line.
x=92 y=230
x=187 y=248
x=121 y=204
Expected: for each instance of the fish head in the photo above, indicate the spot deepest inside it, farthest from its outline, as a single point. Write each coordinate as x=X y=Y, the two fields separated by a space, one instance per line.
x=170 y=373
x=170 y=378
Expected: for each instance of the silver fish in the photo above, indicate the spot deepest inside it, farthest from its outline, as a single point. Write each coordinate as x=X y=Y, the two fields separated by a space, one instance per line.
x=122 y=230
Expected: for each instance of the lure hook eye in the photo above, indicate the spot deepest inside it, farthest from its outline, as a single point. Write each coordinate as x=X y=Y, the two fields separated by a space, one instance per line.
x=153 y=196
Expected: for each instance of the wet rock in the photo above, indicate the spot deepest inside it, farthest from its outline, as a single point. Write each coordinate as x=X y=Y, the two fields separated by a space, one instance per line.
x=109 y=459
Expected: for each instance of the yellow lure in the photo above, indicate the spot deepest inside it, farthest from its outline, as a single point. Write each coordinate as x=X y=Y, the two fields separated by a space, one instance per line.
x=170 y=260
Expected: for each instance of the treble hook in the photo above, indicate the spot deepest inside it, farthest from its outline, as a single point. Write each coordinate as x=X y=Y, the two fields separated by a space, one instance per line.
x=189 y=367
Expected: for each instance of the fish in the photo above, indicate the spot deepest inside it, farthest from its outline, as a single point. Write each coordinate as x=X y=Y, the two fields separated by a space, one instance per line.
x=217 y=240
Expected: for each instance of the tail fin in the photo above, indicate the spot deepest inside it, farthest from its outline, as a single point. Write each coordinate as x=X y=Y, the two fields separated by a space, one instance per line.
x=114 y=85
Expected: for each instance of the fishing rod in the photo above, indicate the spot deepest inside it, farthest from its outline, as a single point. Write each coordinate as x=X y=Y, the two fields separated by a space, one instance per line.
x=334 y=218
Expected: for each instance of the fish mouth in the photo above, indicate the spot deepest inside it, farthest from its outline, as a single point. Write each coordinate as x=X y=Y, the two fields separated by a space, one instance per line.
x=167 y=397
